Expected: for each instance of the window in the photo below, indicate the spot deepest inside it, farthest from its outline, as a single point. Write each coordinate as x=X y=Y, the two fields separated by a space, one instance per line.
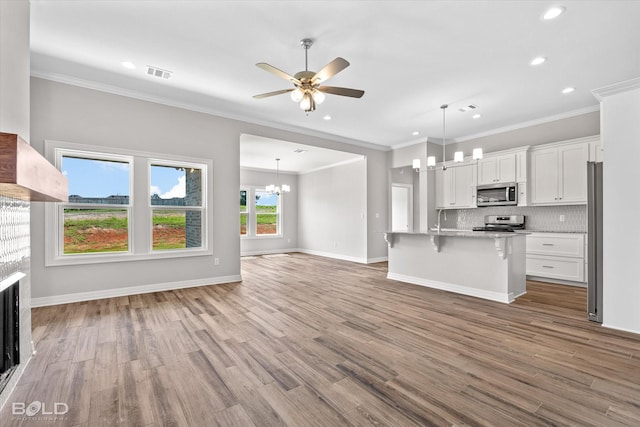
x=243 y=212
x=261 y=216
x=176 y=214
x=96 y=219
x=126 y=205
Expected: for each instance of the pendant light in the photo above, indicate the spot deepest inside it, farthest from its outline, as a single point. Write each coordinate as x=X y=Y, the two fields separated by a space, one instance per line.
x=274 y=188
x=458 y=156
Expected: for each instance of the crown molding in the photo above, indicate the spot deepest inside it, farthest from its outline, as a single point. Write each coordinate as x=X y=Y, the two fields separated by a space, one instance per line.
x=529 y=123
x=616 y=88
x=101 y=87
x=333 y=165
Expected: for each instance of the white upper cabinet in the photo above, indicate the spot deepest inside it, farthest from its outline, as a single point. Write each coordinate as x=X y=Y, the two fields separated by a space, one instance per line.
x=497 y=169
x=456 y=186
x=559 y=174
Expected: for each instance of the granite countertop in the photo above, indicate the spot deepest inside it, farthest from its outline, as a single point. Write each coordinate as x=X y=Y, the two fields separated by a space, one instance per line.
x=453 y=232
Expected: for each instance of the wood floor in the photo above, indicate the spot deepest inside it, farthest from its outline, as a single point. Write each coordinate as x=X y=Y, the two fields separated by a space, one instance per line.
x=308 y=341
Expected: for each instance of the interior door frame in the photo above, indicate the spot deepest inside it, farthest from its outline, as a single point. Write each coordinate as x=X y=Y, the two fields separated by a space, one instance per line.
x=409 y=188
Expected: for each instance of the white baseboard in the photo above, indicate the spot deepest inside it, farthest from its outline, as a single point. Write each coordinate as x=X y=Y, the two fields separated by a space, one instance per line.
x=380 y=259
x=270 y=252
x=451 y=287
x=334 y=256
x=133 y=290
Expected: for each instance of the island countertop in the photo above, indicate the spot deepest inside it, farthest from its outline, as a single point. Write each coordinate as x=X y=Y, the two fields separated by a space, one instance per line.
x=455 y=232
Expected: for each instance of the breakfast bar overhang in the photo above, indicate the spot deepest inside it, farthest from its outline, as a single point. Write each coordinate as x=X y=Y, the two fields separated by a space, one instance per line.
x=489 y=265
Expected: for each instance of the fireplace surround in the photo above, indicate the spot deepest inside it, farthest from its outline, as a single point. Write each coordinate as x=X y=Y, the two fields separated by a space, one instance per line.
x=25 y=177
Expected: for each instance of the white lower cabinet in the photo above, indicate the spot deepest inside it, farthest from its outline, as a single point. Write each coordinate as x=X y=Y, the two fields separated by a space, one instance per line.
x=557 y=256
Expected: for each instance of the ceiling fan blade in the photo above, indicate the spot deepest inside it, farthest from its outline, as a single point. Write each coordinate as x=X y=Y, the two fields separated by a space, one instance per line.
x=330 y=70
x=342 y=91
x=277 y=72
x=277 y=92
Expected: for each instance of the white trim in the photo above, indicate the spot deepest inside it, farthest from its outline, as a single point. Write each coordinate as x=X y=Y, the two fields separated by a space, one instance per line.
x=333 y=165
x=379 y=259
x=609 y=326
x=87 y=84
x=244 y=168
x=132 y=290
x=422 y=140
x=334 y=256
x=15 y=377
x=10 y=280
x=584 y=139
x=616 y=88
x=529 y=123
x=137 y=250
x=455 y=288
x=270 y=252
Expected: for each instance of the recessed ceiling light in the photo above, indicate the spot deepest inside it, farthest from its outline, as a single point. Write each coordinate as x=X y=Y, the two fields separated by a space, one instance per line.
x=568 y=89
x=415 y=133
x=553 y=13
x=538 y=60
x=476 y=116
x=327 y=117
x=128 y=64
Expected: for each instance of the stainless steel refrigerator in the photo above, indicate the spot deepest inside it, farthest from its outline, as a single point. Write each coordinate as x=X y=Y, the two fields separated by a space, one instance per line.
x=594 y=241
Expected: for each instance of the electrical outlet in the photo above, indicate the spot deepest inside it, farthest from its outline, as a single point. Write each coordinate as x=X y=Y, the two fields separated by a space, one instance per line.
x=216 y=261
x=561 y=218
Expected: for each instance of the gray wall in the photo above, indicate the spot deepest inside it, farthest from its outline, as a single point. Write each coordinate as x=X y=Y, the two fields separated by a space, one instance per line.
x=14 y=67
x=289 y=239
x=332 y=211
x=557 y=130
x=73 y=114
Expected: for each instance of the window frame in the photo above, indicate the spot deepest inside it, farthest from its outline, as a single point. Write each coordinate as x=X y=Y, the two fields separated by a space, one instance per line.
x=252 y=215
x=181 y=164
x=140 y=214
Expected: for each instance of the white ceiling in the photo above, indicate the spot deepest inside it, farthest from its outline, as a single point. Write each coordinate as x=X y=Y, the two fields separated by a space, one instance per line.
x=257 y=152
x=408 y=56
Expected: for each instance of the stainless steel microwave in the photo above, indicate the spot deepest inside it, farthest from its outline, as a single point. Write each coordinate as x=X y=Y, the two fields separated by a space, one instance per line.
x=497 y=194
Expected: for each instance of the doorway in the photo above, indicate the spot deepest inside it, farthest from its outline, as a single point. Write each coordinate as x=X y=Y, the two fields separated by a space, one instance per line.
x=401 y=207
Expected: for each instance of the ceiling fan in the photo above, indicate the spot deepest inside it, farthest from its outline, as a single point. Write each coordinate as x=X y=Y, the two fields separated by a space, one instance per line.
x=307 y=89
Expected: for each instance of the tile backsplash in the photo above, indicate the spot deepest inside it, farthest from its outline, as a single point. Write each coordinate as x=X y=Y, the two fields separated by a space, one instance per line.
x=538 y=218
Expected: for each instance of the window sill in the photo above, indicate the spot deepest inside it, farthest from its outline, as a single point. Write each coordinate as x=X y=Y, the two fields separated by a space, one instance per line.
x=124 y=257
x=268 y=236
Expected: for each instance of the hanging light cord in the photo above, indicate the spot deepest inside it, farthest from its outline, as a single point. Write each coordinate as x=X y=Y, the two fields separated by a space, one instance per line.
x=444 y=138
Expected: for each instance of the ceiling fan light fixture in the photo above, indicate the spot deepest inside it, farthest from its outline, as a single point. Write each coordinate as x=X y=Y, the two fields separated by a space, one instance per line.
x=318 y=97
x=296 y=95
x=307 y=104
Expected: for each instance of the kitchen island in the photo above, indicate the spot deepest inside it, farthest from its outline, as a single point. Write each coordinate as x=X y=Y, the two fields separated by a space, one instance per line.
x=483 y=264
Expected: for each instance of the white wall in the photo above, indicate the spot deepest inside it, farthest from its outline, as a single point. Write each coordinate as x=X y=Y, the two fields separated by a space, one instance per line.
x=332 y=211
x=621 y=242
x=14 y=67
x=289 y=239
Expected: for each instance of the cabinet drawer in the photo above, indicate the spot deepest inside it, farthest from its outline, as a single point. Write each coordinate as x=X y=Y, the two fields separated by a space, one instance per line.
x=557 y=244
x=556 y=267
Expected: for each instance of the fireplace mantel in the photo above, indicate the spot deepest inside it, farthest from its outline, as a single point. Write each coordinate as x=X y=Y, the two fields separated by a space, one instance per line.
x=26 y=175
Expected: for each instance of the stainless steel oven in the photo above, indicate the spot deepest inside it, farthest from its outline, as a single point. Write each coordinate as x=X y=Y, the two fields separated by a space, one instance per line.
x=497 y=194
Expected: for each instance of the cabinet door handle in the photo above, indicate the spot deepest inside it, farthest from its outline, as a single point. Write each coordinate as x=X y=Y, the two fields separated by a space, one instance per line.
x=548 y=266
x=548 y=244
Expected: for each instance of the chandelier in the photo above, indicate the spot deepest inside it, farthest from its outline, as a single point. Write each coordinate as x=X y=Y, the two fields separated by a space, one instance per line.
x=274 y=188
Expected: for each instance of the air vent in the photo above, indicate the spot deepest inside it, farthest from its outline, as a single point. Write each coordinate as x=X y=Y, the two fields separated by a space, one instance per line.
x=158 y=72
x=469 y=107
